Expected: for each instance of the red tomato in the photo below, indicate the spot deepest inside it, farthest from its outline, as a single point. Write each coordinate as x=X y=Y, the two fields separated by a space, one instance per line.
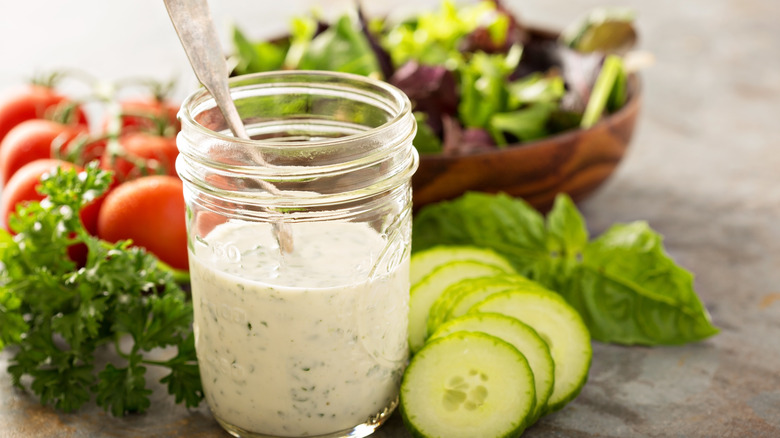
x=93 y=149
x=23 y=186
x=149 y=210
x=32 y=140
x=158 y=155
x=149 y=115
x=31 y=102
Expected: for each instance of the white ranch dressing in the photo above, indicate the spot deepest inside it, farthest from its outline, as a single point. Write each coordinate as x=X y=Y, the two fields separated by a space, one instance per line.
x=303 y=344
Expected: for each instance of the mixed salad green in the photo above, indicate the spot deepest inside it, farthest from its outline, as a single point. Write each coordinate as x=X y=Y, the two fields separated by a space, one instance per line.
x=478 y=78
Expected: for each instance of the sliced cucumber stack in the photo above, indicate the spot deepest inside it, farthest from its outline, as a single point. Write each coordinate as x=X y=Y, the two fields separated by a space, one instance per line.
x=522 y=337
x=560 y=326
x=467 y=385
x=424 y=262
x=427 y=290
x=494 y=351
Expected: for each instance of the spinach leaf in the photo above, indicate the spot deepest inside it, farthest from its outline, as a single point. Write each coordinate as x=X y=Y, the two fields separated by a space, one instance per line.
x=625 y=286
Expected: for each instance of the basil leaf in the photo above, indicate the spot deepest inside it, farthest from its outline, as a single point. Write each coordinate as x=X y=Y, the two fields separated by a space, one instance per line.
x=567 y=237
x=633 y=293
x=509 y=226
x=567 y=232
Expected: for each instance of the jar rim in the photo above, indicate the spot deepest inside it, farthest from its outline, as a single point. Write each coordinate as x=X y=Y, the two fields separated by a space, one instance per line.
x=321 y=170
x=401 y=108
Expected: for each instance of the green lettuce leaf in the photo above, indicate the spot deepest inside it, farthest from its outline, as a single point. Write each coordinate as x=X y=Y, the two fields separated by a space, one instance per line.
x=535 y=88
x=342 y=47
x=483 y=85
x=434 y=37
x=625 y=286
x=529 y=123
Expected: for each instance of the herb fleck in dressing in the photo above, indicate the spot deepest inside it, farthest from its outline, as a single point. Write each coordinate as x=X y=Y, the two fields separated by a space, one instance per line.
x=301 y=344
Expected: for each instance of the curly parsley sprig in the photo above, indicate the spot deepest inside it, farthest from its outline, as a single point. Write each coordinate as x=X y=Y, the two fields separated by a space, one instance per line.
x=56 y=314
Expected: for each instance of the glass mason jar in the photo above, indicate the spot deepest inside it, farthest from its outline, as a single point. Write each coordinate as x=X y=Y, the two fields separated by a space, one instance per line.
x=312 y=340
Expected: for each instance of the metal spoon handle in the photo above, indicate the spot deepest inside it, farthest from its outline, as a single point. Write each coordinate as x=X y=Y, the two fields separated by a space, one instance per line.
x=193 y=23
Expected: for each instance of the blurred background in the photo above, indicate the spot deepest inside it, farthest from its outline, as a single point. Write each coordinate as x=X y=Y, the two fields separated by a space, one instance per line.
x=112 y=39
x=710 y=55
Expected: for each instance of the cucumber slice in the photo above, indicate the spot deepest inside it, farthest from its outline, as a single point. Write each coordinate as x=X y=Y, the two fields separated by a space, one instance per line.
x=424 y=262
x=560 y=326
x=458 y=298
x=425 y=292
x=464 y=303
x=522 y=337
x=467 y=385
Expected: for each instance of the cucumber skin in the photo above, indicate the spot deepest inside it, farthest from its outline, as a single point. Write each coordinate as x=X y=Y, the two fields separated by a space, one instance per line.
x=405 y=416
x=407 y=422
x=459 y=253
x=565 y=401
x=560 y=404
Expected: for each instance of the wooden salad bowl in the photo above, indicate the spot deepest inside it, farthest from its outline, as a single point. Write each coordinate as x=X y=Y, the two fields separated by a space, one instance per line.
x=576 y=162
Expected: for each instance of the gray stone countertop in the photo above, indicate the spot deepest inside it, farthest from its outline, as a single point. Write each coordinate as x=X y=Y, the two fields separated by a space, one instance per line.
x=701 y=170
